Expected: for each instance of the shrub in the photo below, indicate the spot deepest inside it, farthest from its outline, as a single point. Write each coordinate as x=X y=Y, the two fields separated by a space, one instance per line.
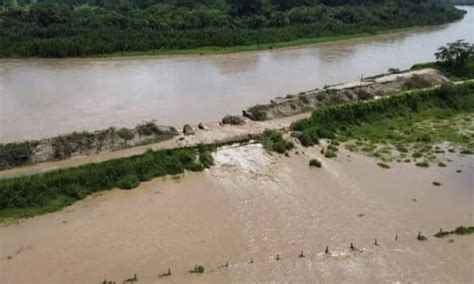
x=382 y=165
x=125 y=134
x=417 y=155
x=441 y=164
x=128 y=182
x=421 y=237
x=423 y=164
x=198 y=269
x=15 y=154
x=273 y=141
x=330 y=154
x=315 y=163
x=461 y=230
x=436 y=183
x=424 y=138
x=147 y=129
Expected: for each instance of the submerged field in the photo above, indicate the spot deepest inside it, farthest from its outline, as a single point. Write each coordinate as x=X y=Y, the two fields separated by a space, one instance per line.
x=234 y=219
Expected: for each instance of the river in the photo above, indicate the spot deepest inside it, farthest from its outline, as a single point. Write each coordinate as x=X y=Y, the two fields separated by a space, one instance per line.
x=45 y=97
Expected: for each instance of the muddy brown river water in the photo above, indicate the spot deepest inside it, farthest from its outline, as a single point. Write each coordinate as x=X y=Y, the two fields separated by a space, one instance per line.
x=46 y=97
x=252 y=205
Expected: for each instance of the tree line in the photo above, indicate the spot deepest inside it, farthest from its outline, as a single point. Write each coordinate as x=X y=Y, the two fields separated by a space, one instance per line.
x=66 y=28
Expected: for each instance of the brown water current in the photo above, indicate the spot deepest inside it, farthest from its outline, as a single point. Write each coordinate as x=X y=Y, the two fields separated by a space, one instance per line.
x=252 y=205
x=46 y=97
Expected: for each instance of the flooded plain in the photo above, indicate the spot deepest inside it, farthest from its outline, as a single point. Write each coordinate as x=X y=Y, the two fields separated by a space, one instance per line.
x=46 y=97
x=235 y=218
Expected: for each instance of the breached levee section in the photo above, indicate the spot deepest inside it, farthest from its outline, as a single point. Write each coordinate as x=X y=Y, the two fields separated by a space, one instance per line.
x=97 y=146
x=366 y=89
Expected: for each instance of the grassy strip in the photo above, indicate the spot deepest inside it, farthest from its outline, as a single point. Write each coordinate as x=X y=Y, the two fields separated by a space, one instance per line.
x=32 y=195
x=378 y=120
x=214 y=50
x=461 y=230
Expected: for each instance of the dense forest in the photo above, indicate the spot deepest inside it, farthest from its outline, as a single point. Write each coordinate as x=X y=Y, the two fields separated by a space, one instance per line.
x=66 y=28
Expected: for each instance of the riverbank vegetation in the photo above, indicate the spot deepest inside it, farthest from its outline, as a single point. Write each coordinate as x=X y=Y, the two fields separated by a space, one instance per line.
x=273 y=141
x=32 y=195
x=409 y=127
x=61 y=28
x=455 y=60
x=461 y=230
x=62 y=147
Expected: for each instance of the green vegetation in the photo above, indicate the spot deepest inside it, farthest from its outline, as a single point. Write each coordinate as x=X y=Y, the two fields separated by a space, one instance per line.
x=76 y=143
x=198 y=269
x=383 y=165
x=400 y=126
x=461 y=2
x=148 y=128
x=15 y=154
x=315 y=163
x=422 y=164
x=128 y=182
x=31 y=195
x=461 y=230
x=456 y=60
x=273 y=141
x=63 y=28
x=125 y=134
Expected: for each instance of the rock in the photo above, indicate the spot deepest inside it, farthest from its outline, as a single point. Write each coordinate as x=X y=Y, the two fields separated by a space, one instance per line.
x=233 y=120
x=188 y=130
x=201 y=126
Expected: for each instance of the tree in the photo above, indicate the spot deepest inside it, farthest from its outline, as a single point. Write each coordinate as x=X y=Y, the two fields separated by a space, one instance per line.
x=455 y=55
x=247 y=7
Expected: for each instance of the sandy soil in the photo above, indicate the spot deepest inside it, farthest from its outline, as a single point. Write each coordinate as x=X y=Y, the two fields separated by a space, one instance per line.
x=256 y=205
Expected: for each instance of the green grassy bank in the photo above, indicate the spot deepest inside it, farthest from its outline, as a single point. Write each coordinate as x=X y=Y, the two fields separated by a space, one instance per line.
x=38 y=194
x=410 y=124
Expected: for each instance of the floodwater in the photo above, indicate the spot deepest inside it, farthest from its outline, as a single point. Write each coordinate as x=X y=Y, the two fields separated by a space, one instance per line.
x=46 y=97
x=252 y=205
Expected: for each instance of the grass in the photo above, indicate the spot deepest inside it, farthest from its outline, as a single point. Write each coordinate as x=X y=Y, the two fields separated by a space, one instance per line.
x=27 y=196
x=211 y=50
x=403 y=126
x=461 y=230
x=273 y=141
x=198 y=269
x=128 y=182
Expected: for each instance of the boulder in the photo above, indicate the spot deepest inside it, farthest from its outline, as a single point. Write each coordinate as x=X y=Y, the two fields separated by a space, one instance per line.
x=233 y=120
x=188 y=130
